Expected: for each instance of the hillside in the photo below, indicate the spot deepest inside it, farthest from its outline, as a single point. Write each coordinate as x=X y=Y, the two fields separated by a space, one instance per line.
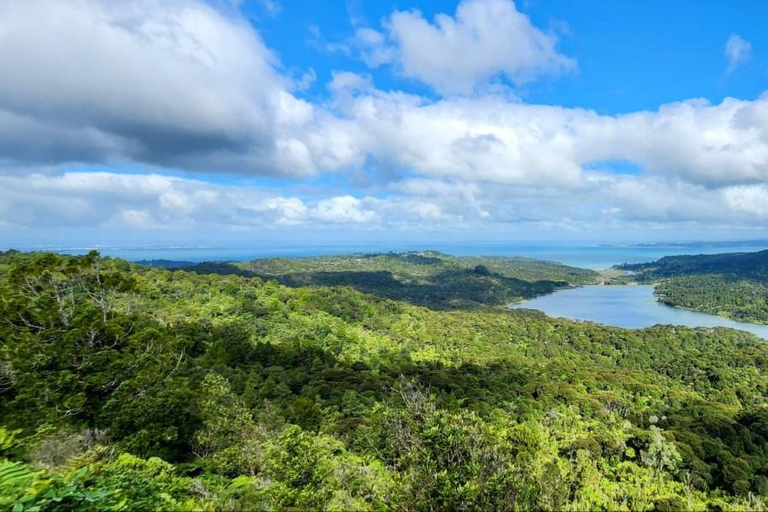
x=142 y=388
x=730 y=285
x=429 y=278
x=745 y=300
x=423 y=265
x=749 y=265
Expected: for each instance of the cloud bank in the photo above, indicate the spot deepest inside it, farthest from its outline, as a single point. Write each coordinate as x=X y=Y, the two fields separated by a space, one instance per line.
x=182 y=85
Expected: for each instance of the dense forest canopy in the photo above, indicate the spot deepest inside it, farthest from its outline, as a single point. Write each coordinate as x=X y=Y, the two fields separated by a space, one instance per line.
x=426 y=278
x=424 y=264
x=750 y=265
x=129 y=387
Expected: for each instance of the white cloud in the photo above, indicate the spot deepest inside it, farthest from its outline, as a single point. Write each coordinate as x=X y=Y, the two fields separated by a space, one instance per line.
x=707 y=144
x=272 y=7
x=491 y=139
x=282 y=210
x=343 y=209
x=454 y=54
x=306 y=80
x=737 y=51
x=102 y=199
x=173 y=83
x=375 y=49
x=345 y=82
x=471 y=162
x=751 y=200
x=112 y=201
x=178 y=84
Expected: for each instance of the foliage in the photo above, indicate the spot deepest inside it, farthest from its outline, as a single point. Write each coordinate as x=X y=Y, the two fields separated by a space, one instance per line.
x=92 y=482
x=431 y=279
x=749 y=265
x=740 y=299
x=422 y=265
x=140 y=388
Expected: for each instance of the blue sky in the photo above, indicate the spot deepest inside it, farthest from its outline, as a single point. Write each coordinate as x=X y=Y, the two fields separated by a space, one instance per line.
x=632 y=55
x=272 y=121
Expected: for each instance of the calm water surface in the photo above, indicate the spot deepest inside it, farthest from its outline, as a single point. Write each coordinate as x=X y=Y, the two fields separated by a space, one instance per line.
x=632 y=307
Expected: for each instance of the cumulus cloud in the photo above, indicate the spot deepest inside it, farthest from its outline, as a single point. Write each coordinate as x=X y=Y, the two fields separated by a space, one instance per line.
x=345 y=81
x=180 y=84
x=101 y=199
x=453 y=54
x=471 y=162
x=752 y=200
x=490 y=139
x=105 y=200
x=708 y=144
x=343 y=209
x=174 y=83
x=737 y=51
x=153 y=201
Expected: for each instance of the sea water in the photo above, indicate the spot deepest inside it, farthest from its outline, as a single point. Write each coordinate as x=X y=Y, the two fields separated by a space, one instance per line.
x=593 y=256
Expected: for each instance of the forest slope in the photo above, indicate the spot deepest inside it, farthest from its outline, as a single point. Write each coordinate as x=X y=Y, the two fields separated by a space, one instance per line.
x=745 y=300
x=429 y=278
x=749 y=265
x=142 y=388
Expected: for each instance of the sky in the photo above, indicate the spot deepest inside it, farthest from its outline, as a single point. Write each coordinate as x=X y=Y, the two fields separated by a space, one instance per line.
x=286 y=121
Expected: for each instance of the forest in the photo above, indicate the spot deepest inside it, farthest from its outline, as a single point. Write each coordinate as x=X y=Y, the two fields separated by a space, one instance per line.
x=730 y=285
x=125 y=387
x=748 y=265
x=428 y=278
x=744 y=300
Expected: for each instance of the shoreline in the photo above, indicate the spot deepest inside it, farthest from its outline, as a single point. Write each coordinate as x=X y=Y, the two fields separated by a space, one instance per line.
x=754 y=328
x=753 y=322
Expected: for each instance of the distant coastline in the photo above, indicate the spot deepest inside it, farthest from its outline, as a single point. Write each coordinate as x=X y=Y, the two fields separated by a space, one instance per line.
x=593 y=256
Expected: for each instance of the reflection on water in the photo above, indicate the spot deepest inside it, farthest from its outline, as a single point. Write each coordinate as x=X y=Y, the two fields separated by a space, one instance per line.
x=627 y=306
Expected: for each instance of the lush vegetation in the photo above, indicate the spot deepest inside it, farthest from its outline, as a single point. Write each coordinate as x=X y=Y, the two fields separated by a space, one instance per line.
x=744 y=300
x=431 y=279
x=729 y=285
x=748 y=265
x=132 y=388
x=409 y=266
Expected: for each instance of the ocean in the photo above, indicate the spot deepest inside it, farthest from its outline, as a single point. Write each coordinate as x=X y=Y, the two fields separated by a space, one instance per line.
x=592 y=256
